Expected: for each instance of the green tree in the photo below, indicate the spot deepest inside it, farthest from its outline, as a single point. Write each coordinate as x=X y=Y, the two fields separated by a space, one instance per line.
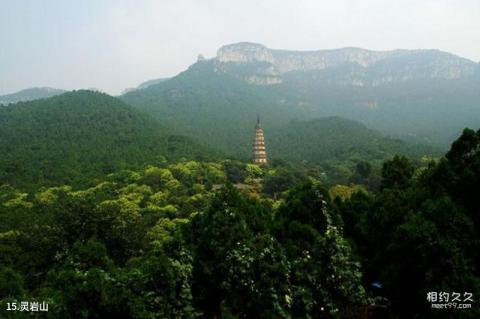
x=232 y=219
x=236 y=171
x=86 y=284
x=397 y=173
x=258 y=280
x=325 y=276
x=11 y=284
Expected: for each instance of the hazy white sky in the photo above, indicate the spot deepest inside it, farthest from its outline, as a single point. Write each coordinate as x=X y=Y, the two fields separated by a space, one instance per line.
x=115 y=44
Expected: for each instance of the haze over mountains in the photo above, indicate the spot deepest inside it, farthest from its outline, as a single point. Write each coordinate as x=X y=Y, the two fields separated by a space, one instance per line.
x=29 y=94
x=355 y=66
x=144 y=85
x=81 y=135
x=426 y=96
x=314 y=106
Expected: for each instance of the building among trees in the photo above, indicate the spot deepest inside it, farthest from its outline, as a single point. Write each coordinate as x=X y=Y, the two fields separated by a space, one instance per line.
x=259 y=151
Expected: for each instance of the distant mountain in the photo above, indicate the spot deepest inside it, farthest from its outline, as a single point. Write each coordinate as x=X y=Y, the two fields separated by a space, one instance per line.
x=29 y=95
x=220 y=110
x=144 y=85
x=215 y=108
x=148 y=83
x=258 y=64
x=336 y=138
x=80 y=135
x=425 y=96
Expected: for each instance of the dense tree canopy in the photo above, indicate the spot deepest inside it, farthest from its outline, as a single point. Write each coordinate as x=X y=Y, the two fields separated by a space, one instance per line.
x=420 y=232
x=78 y=136
x=226 y=239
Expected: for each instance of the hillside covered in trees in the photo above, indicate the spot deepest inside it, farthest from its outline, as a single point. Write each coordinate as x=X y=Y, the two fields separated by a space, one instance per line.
x=152 y=210
x=78 y=136
x=219 y=110
x=329 y=138
x=426 y=96
x=166 y=242
x=149 y=170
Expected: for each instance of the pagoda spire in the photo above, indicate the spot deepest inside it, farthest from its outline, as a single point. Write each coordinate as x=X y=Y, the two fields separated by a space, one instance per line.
x=259 y=150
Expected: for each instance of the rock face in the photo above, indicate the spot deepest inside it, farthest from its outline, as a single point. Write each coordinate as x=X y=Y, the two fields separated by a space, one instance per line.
x=245 y=52
x=260 y=65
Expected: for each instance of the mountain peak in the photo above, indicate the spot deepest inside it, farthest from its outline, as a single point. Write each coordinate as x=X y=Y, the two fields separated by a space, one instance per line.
x=258 y=64
x=243 y=45
x=244 y=52
x=30 y=94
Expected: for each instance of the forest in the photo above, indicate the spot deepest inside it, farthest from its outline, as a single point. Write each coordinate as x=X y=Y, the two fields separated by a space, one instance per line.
x=270 y=159
x=79 y=136
x=227 y=239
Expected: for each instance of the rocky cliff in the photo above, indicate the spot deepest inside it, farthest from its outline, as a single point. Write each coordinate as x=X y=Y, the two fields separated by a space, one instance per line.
x=260 y=65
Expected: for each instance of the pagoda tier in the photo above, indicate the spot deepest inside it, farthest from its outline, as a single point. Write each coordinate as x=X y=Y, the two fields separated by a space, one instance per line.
x=259 y=150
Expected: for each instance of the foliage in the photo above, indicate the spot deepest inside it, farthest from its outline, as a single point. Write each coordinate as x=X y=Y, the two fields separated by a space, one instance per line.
x=344 y=192
x=78 y=136
x=419 y=233
x=325 y=277
x=162 y=242
x=223 y=108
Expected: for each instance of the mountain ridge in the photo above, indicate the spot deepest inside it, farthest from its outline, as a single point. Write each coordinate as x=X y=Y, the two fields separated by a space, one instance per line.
x=272 y=64
x=81 y=135
x=30 y=94
x=220 y=110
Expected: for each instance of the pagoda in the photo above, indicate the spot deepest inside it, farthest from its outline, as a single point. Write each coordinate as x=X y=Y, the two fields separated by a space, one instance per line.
x=259 y=151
